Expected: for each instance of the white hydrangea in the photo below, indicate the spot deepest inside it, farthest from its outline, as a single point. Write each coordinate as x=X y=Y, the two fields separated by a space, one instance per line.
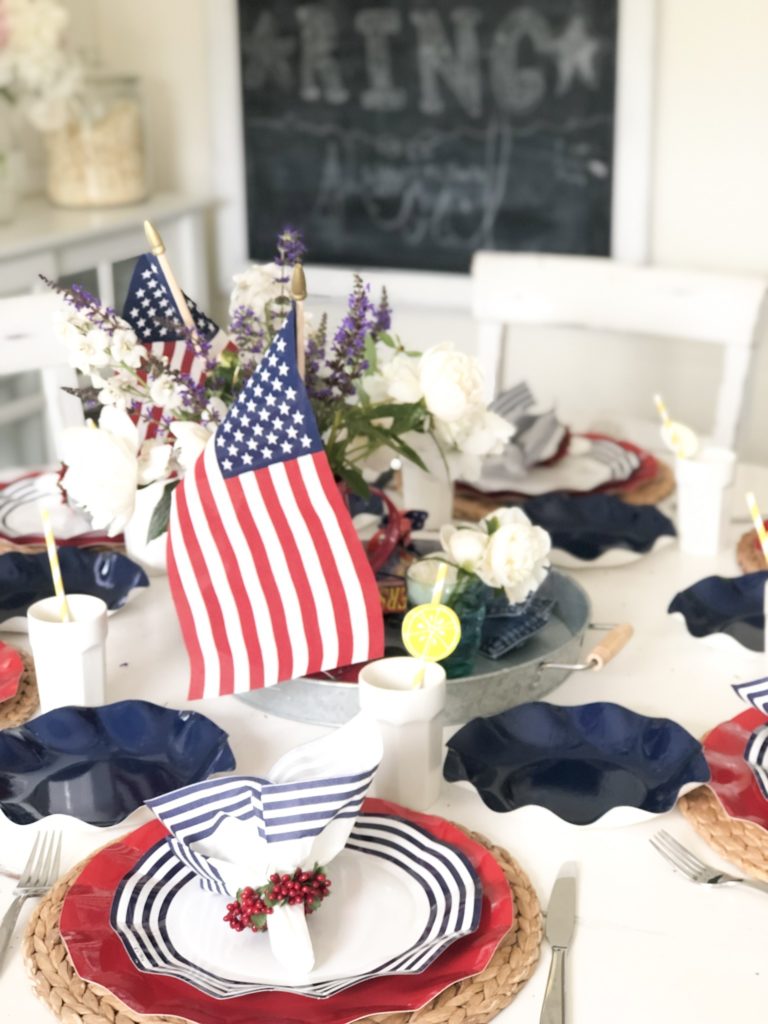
x=166 y=392
x=256 y=287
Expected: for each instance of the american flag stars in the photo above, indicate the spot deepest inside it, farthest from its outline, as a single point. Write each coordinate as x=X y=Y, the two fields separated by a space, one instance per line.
x=268 y=422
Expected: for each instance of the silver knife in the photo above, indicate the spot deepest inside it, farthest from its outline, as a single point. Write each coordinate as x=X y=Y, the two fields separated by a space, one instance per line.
x=561 y=918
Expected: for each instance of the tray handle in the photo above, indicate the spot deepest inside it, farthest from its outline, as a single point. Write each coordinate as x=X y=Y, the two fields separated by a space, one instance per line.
x=607 y=649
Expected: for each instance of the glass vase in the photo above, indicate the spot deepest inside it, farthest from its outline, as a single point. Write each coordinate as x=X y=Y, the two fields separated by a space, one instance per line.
x=97 y=158
x=466 y=595
x=430 y=491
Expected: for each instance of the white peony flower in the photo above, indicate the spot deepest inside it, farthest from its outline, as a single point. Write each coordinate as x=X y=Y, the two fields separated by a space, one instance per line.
x=516 y=555
x=465 y=546
x=451 y=382
x=255 y=287
x=397 y=379
x=104 y=469
x=191 y=441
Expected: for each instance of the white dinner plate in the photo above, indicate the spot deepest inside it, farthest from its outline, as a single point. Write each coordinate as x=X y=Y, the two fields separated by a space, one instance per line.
x=399 y=898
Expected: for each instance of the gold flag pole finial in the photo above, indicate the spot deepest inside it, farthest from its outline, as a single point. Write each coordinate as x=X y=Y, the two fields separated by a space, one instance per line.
x=298 y=294
x=298 y=284
x=156 y=244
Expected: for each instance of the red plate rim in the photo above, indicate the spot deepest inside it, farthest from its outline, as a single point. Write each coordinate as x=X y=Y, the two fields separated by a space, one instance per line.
x=733 y=781
x=98 y=954
x=11 y=671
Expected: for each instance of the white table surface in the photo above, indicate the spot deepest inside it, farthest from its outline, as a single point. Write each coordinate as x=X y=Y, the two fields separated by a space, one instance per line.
x=649 y=945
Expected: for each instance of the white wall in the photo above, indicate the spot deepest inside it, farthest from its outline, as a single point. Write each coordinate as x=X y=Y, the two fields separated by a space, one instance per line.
x=710 y=160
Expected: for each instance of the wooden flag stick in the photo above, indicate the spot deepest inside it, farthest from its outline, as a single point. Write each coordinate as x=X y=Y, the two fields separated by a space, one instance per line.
x=299 y=294
x=157 y=248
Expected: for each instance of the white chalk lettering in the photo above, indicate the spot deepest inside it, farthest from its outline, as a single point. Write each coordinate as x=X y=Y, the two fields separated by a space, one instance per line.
x=376 y=25
x=458 y=66
x=320 y=71
x=268 y=56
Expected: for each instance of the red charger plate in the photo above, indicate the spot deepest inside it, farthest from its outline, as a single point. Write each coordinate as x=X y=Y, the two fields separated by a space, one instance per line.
x=98 y=954
x=11 y=670
x=733 y=781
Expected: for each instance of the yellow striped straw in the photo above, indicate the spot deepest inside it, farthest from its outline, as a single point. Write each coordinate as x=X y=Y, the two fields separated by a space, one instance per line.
x=53 y=558
x=757 y=519
x=437 y=590
x=662 y=410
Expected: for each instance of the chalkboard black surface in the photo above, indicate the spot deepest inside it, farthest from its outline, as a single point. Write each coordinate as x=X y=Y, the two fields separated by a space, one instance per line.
x=409 y=134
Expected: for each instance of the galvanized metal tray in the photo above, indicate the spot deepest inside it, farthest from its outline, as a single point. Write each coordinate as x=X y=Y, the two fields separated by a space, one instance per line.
x=521 y=676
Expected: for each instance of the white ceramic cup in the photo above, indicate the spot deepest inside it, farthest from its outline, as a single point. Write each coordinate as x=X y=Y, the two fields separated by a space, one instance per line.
x=70 y=662
x=410 y=719
x=703 y=490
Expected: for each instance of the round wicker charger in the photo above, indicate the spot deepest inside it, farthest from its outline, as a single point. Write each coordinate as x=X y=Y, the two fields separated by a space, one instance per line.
x=749 y=554
x=472 y=1001
x=25 y=702
x=741 y=842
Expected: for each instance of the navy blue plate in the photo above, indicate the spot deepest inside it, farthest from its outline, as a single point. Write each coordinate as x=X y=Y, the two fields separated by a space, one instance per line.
x=578 y=762
x=25 y=579
x=99 y=764
x=586 y=526
x=731 y=606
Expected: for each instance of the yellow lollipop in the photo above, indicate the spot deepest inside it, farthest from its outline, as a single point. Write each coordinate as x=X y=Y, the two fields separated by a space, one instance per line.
x=432 y=631
x=676 y=436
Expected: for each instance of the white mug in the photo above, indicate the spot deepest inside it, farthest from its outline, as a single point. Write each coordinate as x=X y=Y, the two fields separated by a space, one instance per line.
x=410 y=719
x=70 y=657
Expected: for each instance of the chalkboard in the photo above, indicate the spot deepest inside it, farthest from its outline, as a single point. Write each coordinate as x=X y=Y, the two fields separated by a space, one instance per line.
x=408 y=133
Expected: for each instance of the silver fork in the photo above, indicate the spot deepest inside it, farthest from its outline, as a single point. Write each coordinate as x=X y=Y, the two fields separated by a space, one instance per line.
x=694 y=868
x=39 y=874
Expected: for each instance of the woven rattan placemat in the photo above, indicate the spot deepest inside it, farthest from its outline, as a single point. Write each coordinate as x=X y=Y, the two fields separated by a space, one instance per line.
x=743 y=843
x=749 y=555
x=25 y=702
x=472 y=1001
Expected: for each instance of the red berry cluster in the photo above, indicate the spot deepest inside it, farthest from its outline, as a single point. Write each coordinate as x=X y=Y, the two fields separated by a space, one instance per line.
x=252 y=906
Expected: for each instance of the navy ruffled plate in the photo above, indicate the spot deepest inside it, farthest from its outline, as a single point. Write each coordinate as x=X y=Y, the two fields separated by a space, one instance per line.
x=100 y=764
x=25 y=579
x=718 y=607
x=598 y=529
x=591 y=763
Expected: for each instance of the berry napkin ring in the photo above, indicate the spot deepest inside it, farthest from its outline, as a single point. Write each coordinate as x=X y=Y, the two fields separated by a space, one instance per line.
x=252 y=906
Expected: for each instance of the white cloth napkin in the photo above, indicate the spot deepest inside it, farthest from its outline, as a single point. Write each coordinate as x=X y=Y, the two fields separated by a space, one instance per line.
x=238 y=830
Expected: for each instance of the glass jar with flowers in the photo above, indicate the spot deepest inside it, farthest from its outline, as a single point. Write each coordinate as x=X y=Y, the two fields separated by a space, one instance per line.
x=368 y=393
x=503 y=559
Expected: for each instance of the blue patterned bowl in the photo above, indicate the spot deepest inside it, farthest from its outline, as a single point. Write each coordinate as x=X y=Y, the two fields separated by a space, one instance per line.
x=579 y=762
x=25 y=579
x=99 y=764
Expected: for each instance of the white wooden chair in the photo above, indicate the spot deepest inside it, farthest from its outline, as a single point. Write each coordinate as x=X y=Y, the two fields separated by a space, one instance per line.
x=586 y=296
x=29 y=346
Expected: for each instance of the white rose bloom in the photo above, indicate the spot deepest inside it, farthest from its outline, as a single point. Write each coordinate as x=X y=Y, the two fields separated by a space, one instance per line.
x=255 y=287
x=451 y=382
x=465 y=546
x=516 y=555
x=165 y=392
x=191 y=441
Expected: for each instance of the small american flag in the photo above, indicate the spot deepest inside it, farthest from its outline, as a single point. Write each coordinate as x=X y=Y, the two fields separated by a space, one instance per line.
x=268 y=575
x=152 y=312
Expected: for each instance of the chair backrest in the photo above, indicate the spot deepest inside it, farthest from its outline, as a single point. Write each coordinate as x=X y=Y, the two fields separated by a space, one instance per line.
x=29 y=348
x=599 y=294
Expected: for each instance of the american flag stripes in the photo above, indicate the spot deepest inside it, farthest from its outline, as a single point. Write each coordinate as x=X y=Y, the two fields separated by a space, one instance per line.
x=152 y=312
x=268 y=575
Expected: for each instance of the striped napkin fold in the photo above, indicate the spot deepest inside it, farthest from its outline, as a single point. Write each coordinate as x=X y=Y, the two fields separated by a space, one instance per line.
x=237 y=830
x=755 y=693
x=523 y=465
